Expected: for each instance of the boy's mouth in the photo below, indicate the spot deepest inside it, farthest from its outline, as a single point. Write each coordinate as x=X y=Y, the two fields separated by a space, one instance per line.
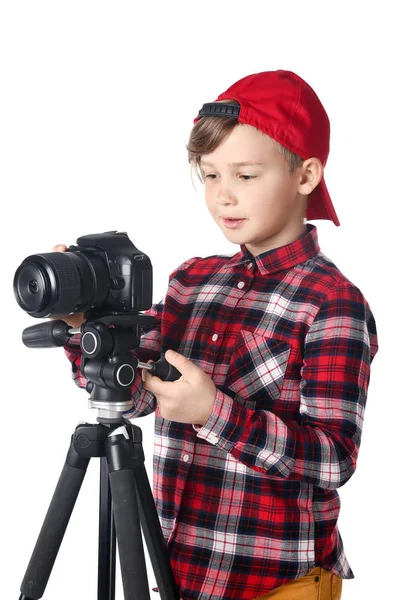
x=233 y=223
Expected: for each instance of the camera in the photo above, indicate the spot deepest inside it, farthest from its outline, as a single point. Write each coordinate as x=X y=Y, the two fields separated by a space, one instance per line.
x=102 y=274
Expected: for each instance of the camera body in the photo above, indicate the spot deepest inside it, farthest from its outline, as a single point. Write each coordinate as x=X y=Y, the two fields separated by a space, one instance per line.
x=102 y=274
x=130 y=274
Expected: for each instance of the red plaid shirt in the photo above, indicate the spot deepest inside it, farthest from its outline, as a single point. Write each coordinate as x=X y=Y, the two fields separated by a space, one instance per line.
x=249 y=501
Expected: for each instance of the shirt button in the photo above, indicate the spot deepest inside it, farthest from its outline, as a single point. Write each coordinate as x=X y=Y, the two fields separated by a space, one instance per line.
x=249 y=265
x=214 y=337
x=186 y=457
x=240 y=284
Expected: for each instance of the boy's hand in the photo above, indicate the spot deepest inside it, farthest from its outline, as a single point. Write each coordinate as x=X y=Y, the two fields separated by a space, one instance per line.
x=190 y=399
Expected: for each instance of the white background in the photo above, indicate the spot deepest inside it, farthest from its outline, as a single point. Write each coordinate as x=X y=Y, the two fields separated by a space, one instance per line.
x=96 y=105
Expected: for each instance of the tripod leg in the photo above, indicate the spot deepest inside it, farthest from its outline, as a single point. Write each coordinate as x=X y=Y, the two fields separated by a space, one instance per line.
x=154 y=537
x=106 y=568
x=125 y=451
x=127 y=526
x=54 y=526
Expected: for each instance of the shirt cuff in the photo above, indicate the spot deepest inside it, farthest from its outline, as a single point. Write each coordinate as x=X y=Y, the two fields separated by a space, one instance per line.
x=74 y=340
x=225 y=424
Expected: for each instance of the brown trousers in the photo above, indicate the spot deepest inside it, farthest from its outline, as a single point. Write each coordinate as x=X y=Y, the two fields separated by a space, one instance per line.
x=318 y=584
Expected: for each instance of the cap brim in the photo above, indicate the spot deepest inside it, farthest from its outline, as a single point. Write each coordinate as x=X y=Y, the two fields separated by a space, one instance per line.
x=320 y=205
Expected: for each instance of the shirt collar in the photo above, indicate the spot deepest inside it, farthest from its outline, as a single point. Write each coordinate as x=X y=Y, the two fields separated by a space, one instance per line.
x=284 y=257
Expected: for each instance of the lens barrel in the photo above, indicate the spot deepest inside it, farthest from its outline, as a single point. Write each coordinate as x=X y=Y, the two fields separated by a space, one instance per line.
x=56 y=284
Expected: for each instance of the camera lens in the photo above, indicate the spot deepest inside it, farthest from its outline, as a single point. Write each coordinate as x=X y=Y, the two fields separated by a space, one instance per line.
x=56 y=284
x=33 y=286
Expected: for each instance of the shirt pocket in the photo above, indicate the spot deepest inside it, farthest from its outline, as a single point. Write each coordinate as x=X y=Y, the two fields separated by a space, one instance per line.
x=257 y=369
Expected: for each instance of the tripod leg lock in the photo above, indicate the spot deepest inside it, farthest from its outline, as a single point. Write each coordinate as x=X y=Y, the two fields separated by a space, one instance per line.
x=124 y=452
x=87 y=441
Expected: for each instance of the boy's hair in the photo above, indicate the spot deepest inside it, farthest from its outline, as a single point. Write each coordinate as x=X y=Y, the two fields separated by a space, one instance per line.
x=209 y=132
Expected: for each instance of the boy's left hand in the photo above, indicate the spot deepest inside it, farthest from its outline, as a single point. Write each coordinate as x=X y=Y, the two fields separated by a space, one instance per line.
x=189 y=399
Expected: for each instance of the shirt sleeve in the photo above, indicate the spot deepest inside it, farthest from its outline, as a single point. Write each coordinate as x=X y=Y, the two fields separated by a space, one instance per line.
x=321 y=446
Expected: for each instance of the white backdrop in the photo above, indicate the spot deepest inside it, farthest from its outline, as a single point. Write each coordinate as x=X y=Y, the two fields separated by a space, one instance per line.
x=96 y=104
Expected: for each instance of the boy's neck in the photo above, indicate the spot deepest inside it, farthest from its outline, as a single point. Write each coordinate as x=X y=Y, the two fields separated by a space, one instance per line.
x=278 y=241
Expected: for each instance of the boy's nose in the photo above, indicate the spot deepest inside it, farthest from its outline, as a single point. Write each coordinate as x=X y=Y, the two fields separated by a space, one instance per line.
x=225 y=197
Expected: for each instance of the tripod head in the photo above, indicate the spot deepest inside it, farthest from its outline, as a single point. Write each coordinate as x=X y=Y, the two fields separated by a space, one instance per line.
x=107 y=361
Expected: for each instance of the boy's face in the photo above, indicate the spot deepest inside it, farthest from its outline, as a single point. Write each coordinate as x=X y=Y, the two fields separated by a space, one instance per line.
x=259 y=206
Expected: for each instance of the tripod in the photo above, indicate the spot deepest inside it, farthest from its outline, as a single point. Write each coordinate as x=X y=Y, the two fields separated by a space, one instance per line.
x=126 y=500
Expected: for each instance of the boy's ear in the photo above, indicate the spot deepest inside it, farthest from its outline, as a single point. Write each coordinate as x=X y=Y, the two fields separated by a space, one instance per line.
x=312 y=171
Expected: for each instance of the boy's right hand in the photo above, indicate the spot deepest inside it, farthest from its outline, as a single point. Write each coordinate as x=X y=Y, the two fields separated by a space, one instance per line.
x=76 y=319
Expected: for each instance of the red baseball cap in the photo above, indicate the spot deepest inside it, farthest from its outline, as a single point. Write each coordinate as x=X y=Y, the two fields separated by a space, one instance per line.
x=282 y=105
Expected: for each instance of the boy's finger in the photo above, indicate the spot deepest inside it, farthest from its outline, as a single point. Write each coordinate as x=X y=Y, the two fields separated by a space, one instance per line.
x=157 y=386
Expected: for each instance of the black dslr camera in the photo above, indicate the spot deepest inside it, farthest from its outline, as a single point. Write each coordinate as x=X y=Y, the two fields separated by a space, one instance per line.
x=107 y=279
x=103 y=274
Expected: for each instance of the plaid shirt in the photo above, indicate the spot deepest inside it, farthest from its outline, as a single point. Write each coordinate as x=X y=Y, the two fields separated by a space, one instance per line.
x=249 y=501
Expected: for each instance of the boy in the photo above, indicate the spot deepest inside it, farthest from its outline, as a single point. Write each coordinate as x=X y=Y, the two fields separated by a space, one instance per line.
x=274 y=345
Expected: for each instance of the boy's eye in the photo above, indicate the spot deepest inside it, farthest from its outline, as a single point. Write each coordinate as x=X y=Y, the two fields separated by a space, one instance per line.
x=246 y=177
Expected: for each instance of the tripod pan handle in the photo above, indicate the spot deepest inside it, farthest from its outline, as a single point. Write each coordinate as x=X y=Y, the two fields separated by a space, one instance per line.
x=164 y=370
